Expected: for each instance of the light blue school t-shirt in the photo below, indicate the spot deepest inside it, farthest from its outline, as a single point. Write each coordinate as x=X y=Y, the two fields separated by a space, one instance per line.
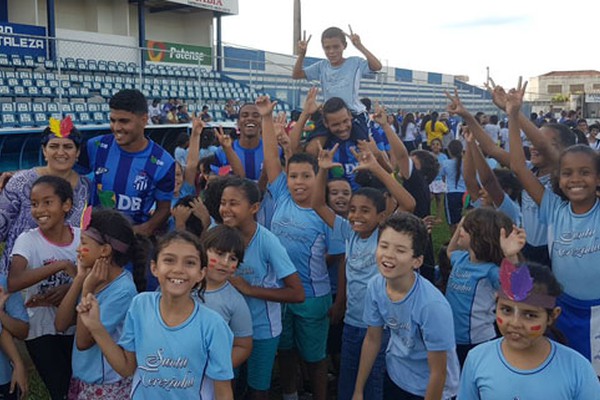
x=173 y=360
x=266 y=264
x=574 y=245
x=537 y=231
x=89 y=365
x=305 y=237
x=361 y=266
x=441 y=157
x=471 y=292
x=419 y=323
x=230 y=305
x=15 y=308
x=511 y=209
x=448 y=171
x=342 y=81
x=564 y=375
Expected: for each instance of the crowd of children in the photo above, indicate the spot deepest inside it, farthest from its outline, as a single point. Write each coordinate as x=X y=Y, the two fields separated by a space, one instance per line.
x=245 y=268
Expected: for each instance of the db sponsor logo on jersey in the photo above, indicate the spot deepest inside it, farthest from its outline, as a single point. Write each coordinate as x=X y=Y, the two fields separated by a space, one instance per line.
x=126 y=203
x=140 y=183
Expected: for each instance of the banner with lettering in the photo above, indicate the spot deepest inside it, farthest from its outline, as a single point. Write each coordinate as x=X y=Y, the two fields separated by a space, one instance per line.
x=177 y=53
x=224 y=6
x=22 y=39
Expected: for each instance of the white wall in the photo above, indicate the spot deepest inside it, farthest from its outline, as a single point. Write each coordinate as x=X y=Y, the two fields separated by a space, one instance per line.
x=193 y=28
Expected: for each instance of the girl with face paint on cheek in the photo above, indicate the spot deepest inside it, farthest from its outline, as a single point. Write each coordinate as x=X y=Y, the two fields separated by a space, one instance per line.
x=527 y=362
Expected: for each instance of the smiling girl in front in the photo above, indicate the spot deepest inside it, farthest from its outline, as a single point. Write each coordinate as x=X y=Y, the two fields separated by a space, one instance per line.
x=524 y=363
x=40 y=261
x=169 y=340
x=572 y=215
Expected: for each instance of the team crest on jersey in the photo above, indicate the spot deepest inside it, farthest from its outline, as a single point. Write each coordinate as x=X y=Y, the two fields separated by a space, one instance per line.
x=101 y=170
x=156 y=161
x=140 y=183
x=101 y=145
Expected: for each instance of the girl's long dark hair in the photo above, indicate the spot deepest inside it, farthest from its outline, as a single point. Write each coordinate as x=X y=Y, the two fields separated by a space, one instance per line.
x=455 y=149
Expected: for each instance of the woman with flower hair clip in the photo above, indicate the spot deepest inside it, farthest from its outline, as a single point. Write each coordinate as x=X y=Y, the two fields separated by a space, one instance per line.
x=60 y=142
x=525 y=363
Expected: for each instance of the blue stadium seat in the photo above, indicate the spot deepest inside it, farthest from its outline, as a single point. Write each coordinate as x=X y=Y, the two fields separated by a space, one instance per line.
x=29 y=61
x=9 y=121
x=12 y=82
x=5 y=90
x=4 y=61
x=84 y=118
x=104 y=92
x=105 y=107
x=25 y=119
x=40 y=118
x=66 y=107
x=33 y=91
x=80 y=107
x=112 y=66
x=46 y=91
x=49 y=64
x=92 y=65
x=59 y=91
x=73 y=91
x=7 y=108
x=84 y=91
x=19 y=91
x=99 y=117
x=93 y=107
x=70 y=64
x=53 y=108
x=121 y=67
x=16 y=61
x=102 y=66
x=55 y=115
x=81 y=64
x=65 y=84
x=38 y=107
x=53 y=83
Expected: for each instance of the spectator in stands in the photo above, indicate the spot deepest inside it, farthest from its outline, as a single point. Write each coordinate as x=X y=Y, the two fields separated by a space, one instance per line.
x=154 y=112
x=231 y=110
x=339 y=76
x=205 y=115
x=183 y=117
x=166 y=109
x=60 y=146
x=131 y=173
x=182 y=148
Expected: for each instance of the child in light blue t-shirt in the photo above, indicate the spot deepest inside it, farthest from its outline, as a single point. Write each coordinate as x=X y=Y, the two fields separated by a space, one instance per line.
x=266 y=278
x=307 y=241
x=475 y=255
x=170 y=341
x=359 y=233
x=524 y=363
x=339 y=76
x=420 y=357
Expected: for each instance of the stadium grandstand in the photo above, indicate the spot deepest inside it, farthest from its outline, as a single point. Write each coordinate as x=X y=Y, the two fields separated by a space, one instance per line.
x=67 y=57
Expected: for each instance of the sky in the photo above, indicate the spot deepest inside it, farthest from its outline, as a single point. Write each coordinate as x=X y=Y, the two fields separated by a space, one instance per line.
x=459 y=37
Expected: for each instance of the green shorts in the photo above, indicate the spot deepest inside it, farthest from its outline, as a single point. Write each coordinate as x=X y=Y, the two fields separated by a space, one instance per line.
x=260 y=363
x=305 y=327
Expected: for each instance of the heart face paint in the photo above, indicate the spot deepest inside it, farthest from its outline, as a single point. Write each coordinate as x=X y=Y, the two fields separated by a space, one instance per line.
x=84 y=250
x=499 y=320
x=212 y=262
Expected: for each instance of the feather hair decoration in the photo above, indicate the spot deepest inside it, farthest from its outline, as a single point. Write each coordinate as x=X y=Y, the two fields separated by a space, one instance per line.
x=61 y=129
x=54 y=125
x=86 y=218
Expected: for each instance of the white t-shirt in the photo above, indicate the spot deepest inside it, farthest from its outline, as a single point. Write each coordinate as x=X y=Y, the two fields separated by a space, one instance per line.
x=39 y=251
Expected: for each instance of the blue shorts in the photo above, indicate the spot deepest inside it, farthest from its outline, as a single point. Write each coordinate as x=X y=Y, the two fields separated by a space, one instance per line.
x=260 y=363
x=305 y=327
x=454 y=206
